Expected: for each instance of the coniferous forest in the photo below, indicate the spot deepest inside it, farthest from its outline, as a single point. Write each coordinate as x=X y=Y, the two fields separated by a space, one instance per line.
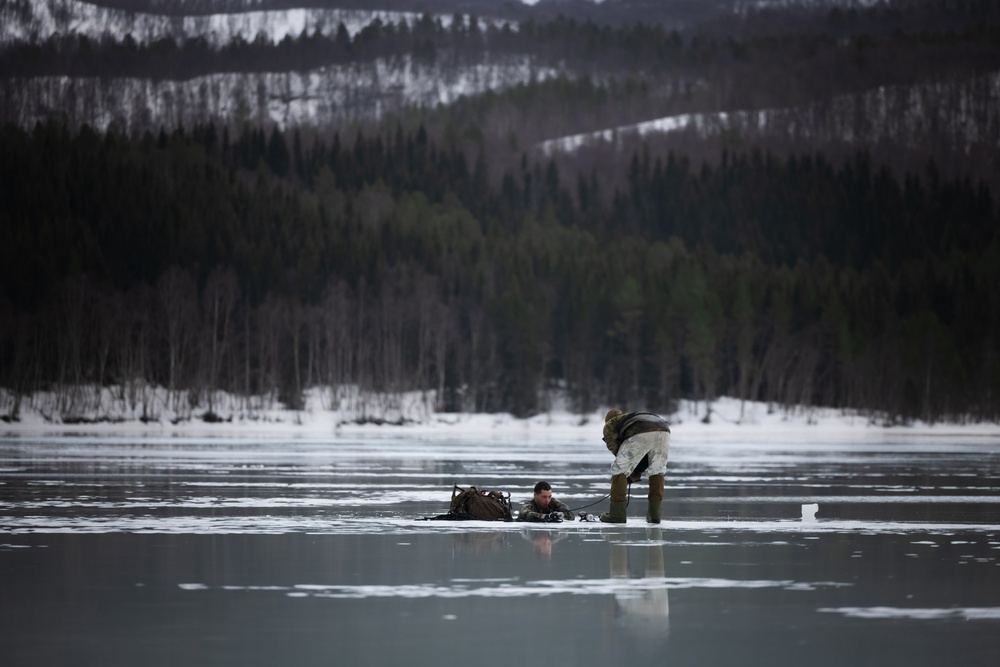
x=835 y=245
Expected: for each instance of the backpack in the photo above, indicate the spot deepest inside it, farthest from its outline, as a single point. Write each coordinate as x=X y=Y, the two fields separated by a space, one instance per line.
x=472 y=503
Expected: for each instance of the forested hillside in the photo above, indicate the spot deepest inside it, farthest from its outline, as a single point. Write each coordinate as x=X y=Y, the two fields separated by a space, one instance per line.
x=821 y=230
x=196 y=259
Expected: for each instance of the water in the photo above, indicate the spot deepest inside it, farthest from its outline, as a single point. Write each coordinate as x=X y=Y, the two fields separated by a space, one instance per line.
x=168 y=551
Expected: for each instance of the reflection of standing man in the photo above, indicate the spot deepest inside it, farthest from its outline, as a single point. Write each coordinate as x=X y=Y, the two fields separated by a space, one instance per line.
x=543 y=507
x=637 y=439
x=645 y=611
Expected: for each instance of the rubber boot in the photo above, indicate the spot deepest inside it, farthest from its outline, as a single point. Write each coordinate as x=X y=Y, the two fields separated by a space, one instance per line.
x=655 y=498
x=619 y=499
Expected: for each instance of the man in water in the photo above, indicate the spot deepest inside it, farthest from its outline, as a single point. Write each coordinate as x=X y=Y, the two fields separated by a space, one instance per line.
x=543 y=507
x=639 y=441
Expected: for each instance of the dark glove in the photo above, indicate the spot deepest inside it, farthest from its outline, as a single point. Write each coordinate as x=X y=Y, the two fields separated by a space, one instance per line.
x=639 y=469
x=555 y=517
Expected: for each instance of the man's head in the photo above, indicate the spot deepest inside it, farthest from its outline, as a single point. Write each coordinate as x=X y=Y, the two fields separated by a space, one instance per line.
x=543 y=494
x=612 y=413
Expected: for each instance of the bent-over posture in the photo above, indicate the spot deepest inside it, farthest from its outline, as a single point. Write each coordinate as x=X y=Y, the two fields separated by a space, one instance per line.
x=636 y=439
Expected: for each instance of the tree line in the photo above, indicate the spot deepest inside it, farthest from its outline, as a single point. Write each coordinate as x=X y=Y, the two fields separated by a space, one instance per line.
x=265 y=261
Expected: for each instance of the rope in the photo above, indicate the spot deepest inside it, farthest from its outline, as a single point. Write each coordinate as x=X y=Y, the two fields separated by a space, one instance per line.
x=583 y=507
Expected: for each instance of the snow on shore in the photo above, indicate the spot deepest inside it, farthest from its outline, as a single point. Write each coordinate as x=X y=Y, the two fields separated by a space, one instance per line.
x=346 y=412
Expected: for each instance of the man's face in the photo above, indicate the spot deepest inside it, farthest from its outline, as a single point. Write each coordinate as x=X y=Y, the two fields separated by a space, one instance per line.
x=542 y=498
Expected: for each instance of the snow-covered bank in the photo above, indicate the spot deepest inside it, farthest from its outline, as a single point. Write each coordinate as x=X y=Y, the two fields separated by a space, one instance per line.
x=347 y=412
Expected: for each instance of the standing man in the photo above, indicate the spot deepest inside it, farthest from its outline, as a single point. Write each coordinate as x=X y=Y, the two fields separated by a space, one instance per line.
x=543 y=507
x=636 y=438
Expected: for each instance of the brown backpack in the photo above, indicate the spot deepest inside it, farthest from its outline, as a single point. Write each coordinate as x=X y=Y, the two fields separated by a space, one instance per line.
x=471 y=503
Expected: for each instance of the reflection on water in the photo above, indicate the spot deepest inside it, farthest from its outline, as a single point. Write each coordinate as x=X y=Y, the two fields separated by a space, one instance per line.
x=542 y=541
x=219 y=552
x=646 y=612
x=476 y=542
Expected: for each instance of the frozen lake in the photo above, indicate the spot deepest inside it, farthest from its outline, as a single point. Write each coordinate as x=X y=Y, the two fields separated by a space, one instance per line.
x=230 y=551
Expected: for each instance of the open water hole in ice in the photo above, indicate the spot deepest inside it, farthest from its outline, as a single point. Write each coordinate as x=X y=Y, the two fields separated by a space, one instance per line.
x=167 y=551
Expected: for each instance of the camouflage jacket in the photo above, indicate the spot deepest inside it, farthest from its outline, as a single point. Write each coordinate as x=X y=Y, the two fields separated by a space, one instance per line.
x=619 y=429
x=531 y=512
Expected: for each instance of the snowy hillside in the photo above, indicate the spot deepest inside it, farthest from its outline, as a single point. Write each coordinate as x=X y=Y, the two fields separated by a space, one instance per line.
x=328 y=94
x=957 y=111
x=36 y=21
x=901 y=114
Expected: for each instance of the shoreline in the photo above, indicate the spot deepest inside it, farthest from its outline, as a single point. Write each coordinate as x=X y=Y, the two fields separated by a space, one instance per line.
x=412 y=418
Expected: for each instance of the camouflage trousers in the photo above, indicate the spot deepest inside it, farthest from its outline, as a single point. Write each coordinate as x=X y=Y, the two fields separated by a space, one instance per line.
x=654 y=443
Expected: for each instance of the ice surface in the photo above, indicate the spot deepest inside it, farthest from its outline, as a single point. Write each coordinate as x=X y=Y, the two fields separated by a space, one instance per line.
x=312 y=530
